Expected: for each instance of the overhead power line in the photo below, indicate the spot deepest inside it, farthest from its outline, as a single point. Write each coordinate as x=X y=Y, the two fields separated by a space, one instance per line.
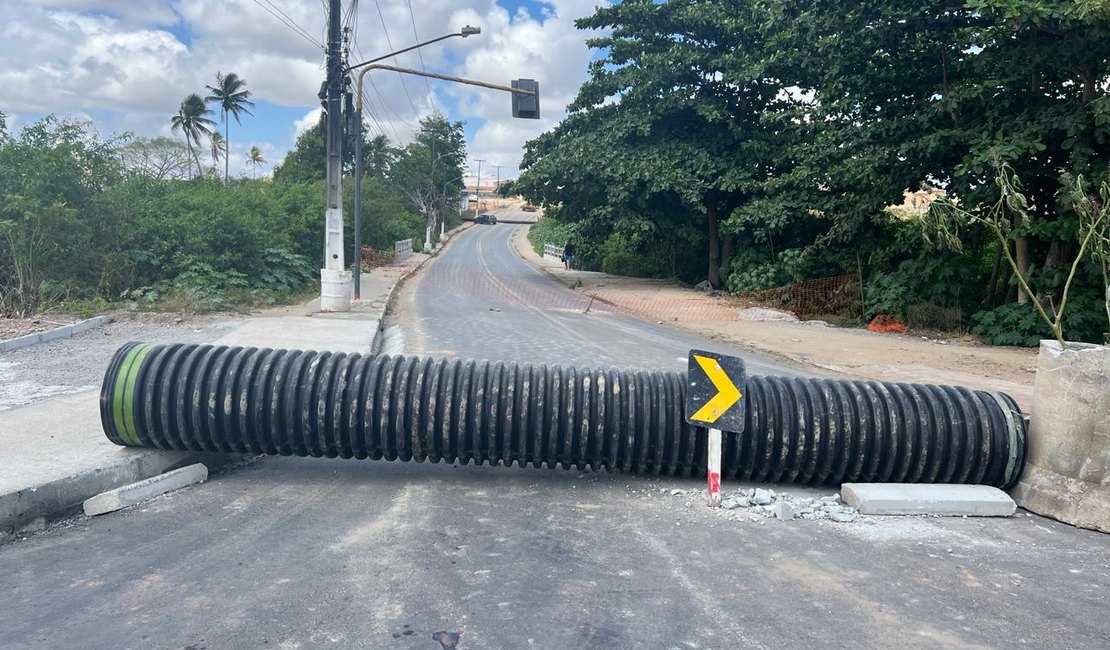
x=385 y=105
x=389 y=42
x=276 y=12
x=427 y=85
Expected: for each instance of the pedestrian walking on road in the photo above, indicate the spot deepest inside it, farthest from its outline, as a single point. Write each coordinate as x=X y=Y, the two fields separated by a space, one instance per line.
x=568 y=255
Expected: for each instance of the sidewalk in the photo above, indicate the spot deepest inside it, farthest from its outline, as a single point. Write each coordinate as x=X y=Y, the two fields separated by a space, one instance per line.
x=53 y=454
x=854 y=353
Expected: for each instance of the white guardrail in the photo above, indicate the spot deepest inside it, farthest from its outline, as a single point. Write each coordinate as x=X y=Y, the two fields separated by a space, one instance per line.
x=554 y=252
x=402 y=249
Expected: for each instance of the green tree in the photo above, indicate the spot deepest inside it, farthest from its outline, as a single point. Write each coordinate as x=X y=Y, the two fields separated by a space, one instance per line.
x=192 y=122
x=233 y=98
x=936 y=92
x=54 y=231
x=663 y=141
x=429 y=169
x=218 y=146
x=307 y=160
x=254 y=159
x=159 y=158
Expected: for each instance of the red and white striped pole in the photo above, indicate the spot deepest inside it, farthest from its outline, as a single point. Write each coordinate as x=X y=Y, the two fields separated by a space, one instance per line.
x=713 y=468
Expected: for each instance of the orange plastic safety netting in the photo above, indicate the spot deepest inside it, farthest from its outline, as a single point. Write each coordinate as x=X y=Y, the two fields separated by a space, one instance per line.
x=836 y=295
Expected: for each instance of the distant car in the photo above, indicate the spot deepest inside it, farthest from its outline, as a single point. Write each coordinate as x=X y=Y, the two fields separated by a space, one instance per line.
x=487 y=219
x=529 y=208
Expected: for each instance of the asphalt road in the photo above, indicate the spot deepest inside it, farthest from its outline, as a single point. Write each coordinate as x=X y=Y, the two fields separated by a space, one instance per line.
x=481 y=300
x=306 y=553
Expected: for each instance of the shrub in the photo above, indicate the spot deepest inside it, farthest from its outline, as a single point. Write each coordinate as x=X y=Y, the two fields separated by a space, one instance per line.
x=623 y=255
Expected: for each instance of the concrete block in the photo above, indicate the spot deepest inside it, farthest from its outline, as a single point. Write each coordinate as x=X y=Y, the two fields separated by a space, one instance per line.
x=144 y=490
x=1067 y=473
x=920 y=499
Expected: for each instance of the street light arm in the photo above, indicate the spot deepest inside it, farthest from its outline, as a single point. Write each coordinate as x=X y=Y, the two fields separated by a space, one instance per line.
x=466 y=31
x=434 y=75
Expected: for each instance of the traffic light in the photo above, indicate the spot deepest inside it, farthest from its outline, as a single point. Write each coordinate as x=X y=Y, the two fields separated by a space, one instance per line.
x=526 y=106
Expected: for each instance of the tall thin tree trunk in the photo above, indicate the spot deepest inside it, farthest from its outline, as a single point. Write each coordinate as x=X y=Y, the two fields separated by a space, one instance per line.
x=726 y=257
x=714 y=250
x=227 y=139
x=996 y=272
x=1021 y=256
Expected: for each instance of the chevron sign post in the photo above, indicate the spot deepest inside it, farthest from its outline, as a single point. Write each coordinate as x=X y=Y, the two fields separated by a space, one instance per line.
x=714 y=399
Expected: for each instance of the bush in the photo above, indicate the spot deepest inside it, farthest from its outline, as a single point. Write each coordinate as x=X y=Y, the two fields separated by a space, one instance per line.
x=549 y=231
x=623 y=255
x=203 y=288
x=791 y=265
x=1011 y=324
x=941 y=280
x=1021 y=325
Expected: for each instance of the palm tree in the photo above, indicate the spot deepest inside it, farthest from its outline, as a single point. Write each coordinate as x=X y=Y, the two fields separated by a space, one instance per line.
x=378 y=155
x=219 y=147
x=191 y=121
x=231 y=94
x=254 y=159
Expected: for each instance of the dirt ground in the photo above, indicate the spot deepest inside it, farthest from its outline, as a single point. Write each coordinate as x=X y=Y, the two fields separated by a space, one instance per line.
x=850 y=352
x=11 y=328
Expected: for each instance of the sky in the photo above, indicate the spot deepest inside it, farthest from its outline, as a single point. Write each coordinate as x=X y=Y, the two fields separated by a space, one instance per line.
x=127 y=64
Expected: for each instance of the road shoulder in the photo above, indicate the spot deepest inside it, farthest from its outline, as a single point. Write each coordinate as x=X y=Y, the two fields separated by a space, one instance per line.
x=53 y=454
x=853 y=353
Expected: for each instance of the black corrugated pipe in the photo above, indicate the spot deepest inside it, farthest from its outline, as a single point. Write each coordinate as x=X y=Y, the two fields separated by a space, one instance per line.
x=289 y=402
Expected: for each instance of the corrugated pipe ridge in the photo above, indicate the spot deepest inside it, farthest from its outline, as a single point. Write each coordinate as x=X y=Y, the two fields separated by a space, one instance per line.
x=303 y=403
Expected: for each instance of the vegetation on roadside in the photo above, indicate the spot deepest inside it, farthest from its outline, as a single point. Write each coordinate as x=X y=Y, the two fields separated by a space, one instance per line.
x=761 y=143
x=549 y=232
x=87 y=221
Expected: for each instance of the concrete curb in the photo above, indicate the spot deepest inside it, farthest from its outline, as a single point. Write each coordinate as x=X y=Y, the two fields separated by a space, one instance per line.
x=62 y=332
x=145 y=490
x=31 y=509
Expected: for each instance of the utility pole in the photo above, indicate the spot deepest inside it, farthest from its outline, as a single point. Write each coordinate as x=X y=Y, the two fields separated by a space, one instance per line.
x=429 y=219
x=478 y=187
x=497 y=187
x=335 y=280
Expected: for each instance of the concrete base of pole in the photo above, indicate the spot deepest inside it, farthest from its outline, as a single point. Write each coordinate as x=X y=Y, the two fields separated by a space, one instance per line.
x=335 y=290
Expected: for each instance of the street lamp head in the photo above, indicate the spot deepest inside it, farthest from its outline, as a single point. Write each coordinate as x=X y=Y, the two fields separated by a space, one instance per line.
x=470 y=31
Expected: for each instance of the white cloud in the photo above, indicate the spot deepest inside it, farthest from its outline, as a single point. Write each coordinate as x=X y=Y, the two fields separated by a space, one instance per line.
x=310 y=119
x=130 y=12
x=124 y=62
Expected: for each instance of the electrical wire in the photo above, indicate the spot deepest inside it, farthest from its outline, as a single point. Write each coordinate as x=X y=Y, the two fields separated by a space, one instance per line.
x=427 y=85
x=288 y=22
x=385 y=104
x=389 y=42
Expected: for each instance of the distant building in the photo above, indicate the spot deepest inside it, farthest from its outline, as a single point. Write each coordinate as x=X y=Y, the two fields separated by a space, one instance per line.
x=920 y=200
x=488 y=191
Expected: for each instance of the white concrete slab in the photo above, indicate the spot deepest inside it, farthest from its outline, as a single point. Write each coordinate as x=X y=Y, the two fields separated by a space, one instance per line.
x=145 y=490
x=320 y=333
x=920 y=499
x=53 y=456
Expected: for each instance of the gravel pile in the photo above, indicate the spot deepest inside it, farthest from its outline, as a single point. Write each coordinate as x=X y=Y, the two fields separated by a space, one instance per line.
x=779 y=505
x=786 y=507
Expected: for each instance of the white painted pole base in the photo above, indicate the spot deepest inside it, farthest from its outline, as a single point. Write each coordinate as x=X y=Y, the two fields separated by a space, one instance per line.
x=335 y=290
x=713 y=471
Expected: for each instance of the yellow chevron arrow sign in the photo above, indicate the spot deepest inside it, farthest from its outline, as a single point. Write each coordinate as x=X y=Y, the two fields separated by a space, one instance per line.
x=714 y=392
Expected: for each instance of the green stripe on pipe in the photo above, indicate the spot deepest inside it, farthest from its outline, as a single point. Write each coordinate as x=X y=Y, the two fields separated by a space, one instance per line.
x=123 y=402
